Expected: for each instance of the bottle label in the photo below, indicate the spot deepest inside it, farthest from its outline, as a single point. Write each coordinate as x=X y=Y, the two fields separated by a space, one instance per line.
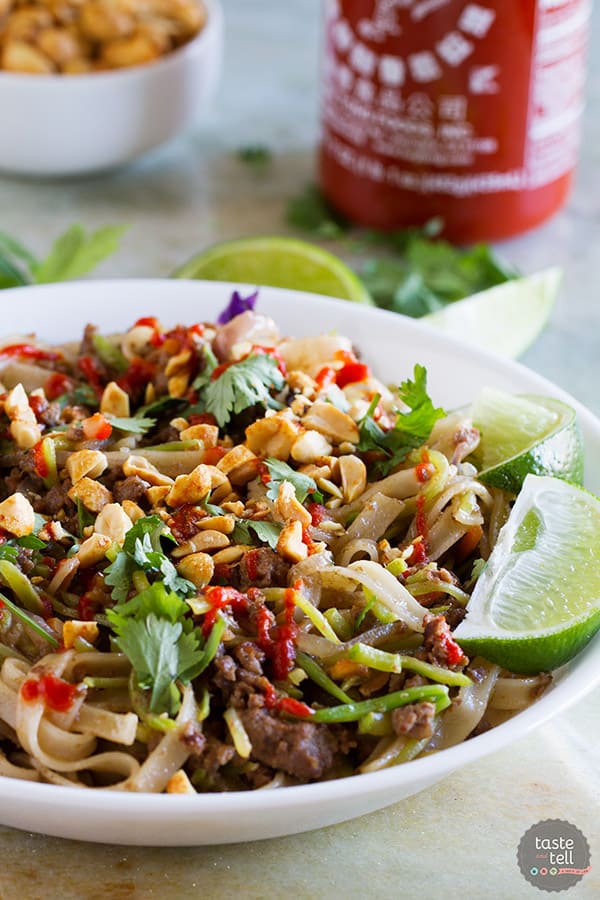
x=456 y=98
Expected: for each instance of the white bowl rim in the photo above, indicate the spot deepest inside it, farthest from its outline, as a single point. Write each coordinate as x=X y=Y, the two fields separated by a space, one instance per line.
x=214 y=22
x=580 y=677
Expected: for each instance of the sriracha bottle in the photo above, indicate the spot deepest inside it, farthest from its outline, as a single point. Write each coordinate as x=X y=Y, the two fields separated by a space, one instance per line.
x=465 y=110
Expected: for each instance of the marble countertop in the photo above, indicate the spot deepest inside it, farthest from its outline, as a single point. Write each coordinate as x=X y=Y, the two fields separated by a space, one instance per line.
x=460 y=837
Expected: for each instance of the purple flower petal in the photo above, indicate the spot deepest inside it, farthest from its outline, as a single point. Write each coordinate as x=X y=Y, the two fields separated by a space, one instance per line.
x=236 y=306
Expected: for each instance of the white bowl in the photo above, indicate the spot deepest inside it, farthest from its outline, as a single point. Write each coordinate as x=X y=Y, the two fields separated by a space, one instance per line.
x=74 y=124
x=392 y=344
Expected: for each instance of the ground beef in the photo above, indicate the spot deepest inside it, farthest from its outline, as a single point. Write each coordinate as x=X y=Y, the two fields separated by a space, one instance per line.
x=414 y=721
x=131 y=488
x=250 y=656
x=240 y=687
x=22 y=482
x=51 y=502
x=301 y=749
x=436 y=640
x=193 y=738
x=259 y=568
x=24 y=560
x=164 y=435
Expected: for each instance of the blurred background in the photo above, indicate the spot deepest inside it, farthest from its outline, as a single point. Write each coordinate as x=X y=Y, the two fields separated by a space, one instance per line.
x=196 y=190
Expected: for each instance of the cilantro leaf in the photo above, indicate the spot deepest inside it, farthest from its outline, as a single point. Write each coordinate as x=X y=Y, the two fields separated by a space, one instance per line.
x=9 y=553
x=257 y=156
x=161 y=653
x=15 y=261
x=75 y=253
x=268 y=532
x=210 y=363
x=31 y=541
x=412 y=428
x=242 y=385
x=135 y=425
x=142 y=551
x=155 y=599
x=84 y=517
x=151 y=630
x=118 y=576
x=280 y=471
x=310 y=212
x=160 y=406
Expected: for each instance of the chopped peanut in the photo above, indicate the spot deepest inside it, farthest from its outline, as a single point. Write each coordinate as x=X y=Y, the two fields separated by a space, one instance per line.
x=178 y=384
x=287 y=508
x=114 y=402
x=290 y=545
x=197 y=568
x=230 y=555
x=353 y=474
x=24 y=427
x=74 y=629
x=17 y=515
x=134 y=511
x=225 y=524
x=93 y=550
x=178 y=363
x=86 y=462
x=114 y=522
x=157 y=493
x=139 y=465
x=208 y=434
x=191 y=488
x=203 y=541
x=273 y=436
x=240 y=465
x=92 y=494
x=310 y=446
x=331 y=421
x=179 y=783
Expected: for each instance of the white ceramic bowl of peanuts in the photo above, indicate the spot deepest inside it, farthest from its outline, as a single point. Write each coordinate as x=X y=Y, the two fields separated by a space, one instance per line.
x=87 y=85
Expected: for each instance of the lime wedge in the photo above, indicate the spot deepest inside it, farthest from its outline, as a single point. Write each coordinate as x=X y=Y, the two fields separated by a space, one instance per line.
x=278 y=262
x=537 y=602
x=505 y=319
x=522 y=435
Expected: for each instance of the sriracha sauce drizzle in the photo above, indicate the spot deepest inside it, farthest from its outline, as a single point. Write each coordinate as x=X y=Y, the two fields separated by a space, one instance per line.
x=57 y=694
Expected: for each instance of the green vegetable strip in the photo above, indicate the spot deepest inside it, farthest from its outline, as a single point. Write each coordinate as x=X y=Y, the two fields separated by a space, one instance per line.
x=374 y=658
x=23 y=617
x=49 y=454
x=212 y=644
x=339 y=623
x=352 y=712
x=115 y=681
x=172 y=446
x=377 y=724
x=316 y=617
x=410 y=750
x=21 y=586
x=435 y=673
x=417 y=588
x=203 y=706
x=316 y=673
x=394 y=662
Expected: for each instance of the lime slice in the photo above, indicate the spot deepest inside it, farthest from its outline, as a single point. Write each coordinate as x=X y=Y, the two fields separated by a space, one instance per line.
x=537 y=602
x=505 y=319
x=278 y=262
x=523 y=435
